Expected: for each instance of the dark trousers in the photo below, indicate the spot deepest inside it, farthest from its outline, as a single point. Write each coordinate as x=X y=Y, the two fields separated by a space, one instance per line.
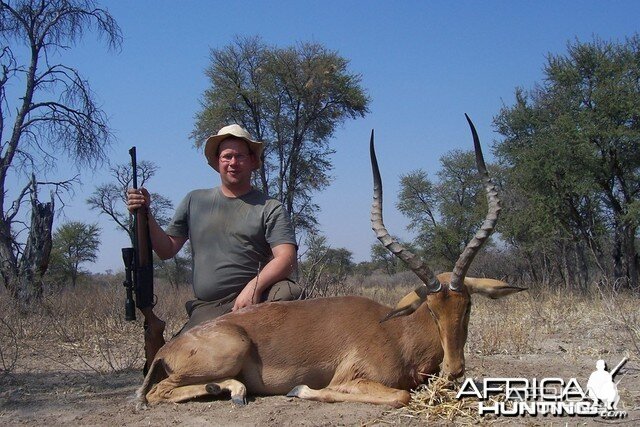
x=200 y=311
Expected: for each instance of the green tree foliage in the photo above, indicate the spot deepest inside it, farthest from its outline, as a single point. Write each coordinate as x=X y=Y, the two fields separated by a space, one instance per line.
x=290 y=98
x=47 y=111
x=74 y=243
x=445 y=213
x=324 y=270
x=572 y=145
x=381 y=258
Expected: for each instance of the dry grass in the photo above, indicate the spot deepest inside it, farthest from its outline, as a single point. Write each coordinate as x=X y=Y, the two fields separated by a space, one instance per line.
x=383 y=288
x=517 y=323
x=437 y=403
x=502 y=326
x=621 y=312
x=8 y=347
x=83 y=329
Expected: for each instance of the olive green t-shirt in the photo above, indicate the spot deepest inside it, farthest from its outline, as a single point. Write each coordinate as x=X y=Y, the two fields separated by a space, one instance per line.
x=231 y=238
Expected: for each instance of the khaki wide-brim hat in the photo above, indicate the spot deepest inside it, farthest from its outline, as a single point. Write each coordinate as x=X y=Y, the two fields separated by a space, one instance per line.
x=236 y=131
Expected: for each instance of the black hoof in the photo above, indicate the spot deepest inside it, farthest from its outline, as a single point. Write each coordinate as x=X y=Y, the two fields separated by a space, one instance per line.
x=295 y=392
x=239 y=400
x=213 y=388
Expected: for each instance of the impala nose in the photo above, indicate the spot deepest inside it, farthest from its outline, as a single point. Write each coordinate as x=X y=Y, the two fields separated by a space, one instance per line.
x=454 y=372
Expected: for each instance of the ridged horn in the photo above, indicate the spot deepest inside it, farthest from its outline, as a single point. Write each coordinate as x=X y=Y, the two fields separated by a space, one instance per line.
x=481 y=236
x=413 y=262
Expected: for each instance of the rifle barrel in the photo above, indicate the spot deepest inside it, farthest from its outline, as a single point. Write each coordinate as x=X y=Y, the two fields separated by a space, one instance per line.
x=134 y=166
x=615 y=370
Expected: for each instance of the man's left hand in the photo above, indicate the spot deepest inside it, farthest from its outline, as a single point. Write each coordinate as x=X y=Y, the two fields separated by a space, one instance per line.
x=248 y=296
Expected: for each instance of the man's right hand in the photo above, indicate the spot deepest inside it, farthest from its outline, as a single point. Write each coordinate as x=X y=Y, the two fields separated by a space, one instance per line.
x=138 y=198
x=164 y=246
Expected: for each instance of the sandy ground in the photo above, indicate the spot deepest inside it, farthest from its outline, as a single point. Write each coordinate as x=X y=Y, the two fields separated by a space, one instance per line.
x=42 y=391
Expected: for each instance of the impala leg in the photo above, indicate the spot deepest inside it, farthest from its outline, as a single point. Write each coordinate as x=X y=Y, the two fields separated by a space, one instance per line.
x=359 y=390
x=236 y=388
x=173 y=393
x=168 y=391
x=202 y=363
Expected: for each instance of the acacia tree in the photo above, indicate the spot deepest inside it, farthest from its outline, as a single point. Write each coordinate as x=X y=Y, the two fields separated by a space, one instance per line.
x=324 y=269
x=53 y=114
x=445 y=213
x=290 y=98
x=74 y=243
x=382 y=258
x=572 y=145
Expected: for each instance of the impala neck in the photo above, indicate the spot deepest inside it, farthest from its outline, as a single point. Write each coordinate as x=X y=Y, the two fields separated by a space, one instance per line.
x=420 y=342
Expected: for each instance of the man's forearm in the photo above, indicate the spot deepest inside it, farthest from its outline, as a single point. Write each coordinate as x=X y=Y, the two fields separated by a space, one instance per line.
x=164 y=246
x=269 y=275
x=279 y=268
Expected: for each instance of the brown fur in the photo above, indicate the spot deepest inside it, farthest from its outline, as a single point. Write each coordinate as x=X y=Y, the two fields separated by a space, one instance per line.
x=327 y=349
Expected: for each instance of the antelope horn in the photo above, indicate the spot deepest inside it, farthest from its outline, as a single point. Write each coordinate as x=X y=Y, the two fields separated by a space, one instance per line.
x=472 y=248
x=414 y=262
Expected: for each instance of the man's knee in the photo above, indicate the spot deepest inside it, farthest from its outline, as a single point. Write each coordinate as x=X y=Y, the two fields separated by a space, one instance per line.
x=200 y=311
x=285 y=290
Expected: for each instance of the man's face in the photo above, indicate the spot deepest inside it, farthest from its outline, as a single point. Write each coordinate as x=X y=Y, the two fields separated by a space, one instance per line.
x=235 y=162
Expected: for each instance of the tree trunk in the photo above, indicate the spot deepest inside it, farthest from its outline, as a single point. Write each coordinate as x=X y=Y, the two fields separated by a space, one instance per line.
x=565 y=268
x=582 y=266
x=532 y=268
x=8 y=260
x=618 y=268
x=181 y=273
x=631 y=257
x=35 y=258
x=547 y=270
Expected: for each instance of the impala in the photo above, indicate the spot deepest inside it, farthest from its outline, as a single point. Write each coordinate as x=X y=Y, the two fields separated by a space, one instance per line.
x=334 y=349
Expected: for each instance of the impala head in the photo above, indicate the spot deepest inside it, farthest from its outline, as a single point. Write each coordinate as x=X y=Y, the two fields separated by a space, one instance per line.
x=448 y=295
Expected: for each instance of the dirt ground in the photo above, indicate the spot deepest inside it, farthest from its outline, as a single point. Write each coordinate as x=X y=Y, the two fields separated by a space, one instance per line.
x=43 y=391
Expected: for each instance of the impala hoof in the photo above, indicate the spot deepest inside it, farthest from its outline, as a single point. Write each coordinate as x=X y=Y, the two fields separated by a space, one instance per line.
x=298 y=391
x=239 y=400
x=141 y=406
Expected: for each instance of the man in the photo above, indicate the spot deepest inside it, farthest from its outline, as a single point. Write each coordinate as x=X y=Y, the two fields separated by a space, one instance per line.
x=242 y=242
x=601 y=387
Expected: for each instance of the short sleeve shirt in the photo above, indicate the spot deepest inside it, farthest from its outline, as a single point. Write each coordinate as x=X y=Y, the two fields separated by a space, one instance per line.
x=231 y=238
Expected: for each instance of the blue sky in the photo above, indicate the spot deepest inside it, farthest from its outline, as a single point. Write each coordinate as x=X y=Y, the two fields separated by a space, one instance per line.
x=423 y=63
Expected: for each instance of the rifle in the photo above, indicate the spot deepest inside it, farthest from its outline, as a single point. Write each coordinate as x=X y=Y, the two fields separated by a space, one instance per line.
x=138 y=263
x=615 y=370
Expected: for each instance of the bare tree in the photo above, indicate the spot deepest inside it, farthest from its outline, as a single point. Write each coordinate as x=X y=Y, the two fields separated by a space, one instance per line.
x=111 y=198
x=55 y=114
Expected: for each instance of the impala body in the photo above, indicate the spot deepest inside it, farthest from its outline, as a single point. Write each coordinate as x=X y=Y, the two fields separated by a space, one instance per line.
x=333 y=349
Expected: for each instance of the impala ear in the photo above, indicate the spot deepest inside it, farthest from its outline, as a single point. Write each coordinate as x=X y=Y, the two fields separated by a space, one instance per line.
x=409 y=299
x=490 y=288
x=407 y=305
